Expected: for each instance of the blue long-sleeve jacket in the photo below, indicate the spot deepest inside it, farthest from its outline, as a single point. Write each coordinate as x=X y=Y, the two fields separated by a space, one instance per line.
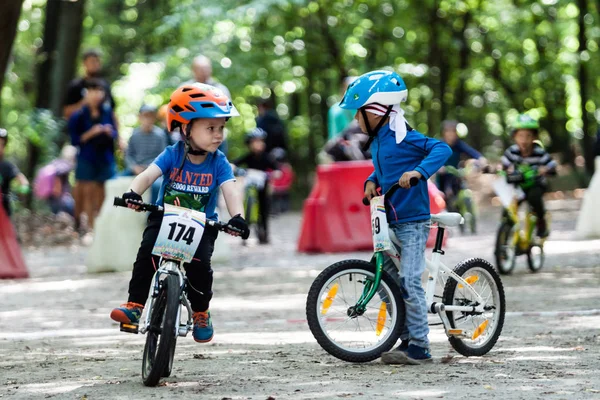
x=415 y=153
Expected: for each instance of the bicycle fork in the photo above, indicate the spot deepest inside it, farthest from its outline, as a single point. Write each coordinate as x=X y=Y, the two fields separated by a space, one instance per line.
x=173 y=269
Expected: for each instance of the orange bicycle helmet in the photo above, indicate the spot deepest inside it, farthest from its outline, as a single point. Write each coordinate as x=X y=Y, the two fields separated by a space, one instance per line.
x=198 y=100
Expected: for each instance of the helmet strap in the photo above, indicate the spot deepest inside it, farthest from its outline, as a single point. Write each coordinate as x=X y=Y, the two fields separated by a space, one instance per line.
x=373 y=132
x=190 y=149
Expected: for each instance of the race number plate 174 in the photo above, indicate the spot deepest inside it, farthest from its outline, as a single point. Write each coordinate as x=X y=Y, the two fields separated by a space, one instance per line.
x=180 y=233
x=381 y=234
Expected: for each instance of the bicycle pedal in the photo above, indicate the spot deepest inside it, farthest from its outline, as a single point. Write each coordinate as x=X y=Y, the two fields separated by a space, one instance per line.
x=129 y=328
x=455 y=332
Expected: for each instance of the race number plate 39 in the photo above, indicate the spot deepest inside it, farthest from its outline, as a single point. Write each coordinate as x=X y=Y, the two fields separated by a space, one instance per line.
x=381 y=234
x=180 y=233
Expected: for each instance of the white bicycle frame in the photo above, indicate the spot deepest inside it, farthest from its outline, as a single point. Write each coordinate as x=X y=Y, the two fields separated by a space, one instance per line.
x=435 y=267
x=169 y=267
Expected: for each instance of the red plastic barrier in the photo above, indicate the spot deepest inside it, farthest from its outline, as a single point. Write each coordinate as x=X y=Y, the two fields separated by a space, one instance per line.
x=12 y=265
x=334 y=218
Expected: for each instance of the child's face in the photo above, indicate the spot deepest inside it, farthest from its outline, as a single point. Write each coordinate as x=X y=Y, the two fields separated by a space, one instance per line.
x=450 y=136
x=373 y=120
x=257 y=146
x=147 y=120
x=524 y=139
x=207 y=133
x=94 y=96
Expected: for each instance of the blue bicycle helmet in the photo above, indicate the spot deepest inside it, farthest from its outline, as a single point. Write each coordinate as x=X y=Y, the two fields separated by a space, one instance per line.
x=382 y=87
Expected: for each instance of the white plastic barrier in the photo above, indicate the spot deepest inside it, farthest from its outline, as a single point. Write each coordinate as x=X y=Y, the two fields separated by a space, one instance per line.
x=588 y=222
x=117 y=231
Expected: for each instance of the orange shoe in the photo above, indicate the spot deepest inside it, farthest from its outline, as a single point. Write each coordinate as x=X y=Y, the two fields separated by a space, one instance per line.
x=203 y=330
x=128 y=313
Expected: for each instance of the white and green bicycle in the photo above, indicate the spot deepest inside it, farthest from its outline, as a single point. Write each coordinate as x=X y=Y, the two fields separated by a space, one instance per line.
x=355 y=308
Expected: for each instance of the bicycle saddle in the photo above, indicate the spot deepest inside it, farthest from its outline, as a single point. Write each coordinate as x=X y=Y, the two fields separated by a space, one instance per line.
x=447 y=219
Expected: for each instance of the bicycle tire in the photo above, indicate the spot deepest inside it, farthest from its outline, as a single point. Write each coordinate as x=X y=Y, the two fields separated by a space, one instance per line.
x=502 y=238
x=312 y=314
x=162 y=329
x=459 y=344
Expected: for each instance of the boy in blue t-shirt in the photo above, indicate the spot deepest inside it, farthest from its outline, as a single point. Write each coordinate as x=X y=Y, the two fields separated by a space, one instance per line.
x=193 y=170
x=399 y=154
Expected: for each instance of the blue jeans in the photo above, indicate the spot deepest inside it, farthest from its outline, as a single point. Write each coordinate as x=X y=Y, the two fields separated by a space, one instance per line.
x=411 y=240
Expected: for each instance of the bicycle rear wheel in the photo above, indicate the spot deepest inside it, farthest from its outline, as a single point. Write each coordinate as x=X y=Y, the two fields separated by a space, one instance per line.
x=480 y=330
x=343 y=333
x=162 y=334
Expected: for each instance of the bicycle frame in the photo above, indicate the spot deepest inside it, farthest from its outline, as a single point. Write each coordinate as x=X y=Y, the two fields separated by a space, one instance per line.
x=169 y=267
x=434 y=266
x=522 y=237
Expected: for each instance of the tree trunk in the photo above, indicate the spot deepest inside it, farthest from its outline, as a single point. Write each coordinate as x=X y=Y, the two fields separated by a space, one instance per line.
x=68 y=42
x=9 y=17
x=588 y=142
x=62 y=37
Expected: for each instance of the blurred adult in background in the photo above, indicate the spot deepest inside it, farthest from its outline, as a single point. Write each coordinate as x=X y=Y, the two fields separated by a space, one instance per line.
x=93 y=131
x=339 y=119
x=92 y=67
x=146 y=143
x=268 y=120
x=202 y=70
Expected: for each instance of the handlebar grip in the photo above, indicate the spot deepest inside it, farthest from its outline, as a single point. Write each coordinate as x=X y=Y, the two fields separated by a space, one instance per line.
x=119 y=202
x=413 y=182
x=365 y=201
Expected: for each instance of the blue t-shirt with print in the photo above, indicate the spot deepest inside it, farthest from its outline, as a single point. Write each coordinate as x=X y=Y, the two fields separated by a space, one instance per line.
x=196 y=187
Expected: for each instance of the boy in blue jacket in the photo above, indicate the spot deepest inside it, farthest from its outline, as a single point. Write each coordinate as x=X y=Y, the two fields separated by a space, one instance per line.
x=400 y=153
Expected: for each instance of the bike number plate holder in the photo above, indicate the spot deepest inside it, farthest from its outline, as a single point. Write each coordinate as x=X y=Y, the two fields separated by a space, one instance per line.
x=379 y=224
x=180 y=233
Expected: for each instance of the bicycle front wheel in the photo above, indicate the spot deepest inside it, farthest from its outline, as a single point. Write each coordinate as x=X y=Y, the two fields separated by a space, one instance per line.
x=505 y=251
x=162 y=334
x=343 y=333
x=480 y=330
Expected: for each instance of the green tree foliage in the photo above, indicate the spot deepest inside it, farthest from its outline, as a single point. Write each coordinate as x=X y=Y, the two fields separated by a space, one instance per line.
x=478 y=61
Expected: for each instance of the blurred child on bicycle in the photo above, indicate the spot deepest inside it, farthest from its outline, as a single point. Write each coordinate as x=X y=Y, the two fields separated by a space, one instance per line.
x=8 y=172
x=528 y=152
x=257 y=158
x=400 y=153
x=448 y=183
x=193 y=170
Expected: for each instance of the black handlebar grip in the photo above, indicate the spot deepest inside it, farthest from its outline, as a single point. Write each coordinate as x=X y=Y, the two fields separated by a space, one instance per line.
x=413 y=181
x=366 y=201
x=119 y=202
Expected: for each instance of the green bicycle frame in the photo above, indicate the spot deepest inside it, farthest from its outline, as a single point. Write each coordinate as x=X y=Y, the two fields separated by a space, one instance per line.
x=371 y=285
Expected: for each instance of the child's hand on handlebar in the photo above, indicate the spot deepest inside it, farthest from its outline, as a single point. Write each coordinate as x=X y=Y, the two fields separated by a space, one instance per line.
x=133 y=200
x=404 y=181
x=370 y=190
x=239 y=227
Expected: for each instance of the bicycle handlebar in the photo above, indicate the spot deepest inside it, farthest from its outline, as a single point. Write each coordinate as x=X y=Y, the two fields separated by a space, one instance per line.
x=221 y=226
x=413 y=182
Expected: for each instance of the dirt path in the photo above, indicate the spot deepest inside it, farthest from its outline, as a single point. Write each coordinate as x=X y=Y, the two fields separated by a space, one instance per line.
x=56 y=340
